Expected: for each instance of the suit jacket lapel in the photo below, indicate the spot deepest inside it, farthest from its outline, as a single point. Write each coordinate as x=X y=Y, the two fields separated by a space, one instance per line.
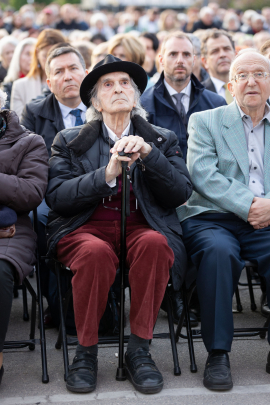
x=234 y=134
x=267 y=157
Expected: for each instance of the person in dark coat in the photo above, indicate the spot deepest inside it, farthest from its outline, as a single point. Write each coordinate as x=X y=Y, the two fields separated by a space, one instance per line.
x=23 y=182
x=160 y=101
x=84 y=194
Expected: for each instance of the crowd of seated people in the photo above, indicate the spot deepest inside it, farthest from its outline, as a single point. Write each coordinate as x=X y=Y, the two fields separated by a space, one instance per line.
x=187 y=95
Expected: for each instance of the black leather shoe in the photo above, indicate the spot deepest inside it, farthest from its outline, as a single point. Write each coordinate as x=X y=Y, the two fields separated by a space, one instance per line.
x=265 y=310
x=268 y=364
x=1 y=373
x=176 y=300
x=82 y=376
x=142 y=372
x=217 y=373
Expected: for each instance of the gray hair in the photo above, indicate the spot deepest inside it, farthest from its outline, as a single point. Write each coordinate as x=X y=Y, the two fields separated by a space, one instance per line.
x=242 y=52
x=62 y=51
x=204 y=11
x=92 y=114
x=14 y=67
x=7 y=40
x=196 y=43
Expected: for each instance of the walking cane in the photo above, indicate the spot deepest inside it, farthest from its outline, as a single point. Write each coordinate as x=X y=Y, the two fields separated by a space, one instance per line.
x=125 y=211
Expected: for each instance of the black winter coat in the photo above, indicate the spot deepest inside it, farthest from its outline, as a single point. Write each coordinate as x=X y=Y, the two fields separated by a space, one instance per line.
x=77 y=184
x=43 y=116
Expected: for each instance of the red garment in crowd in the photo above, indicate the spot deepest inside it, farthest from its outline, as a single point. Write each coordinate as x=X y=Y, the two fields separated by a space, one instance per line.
x=21 y=75
x=92 y=253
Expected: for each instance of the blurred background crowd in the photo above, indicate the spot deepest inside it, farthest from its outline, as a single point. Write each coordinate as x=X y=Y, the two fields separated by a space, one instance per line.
x=133 y=33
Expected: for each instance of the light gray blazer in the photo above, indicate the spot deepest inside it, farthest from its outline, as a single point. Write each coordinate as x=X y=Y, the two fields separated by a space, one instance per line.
x=218 y=163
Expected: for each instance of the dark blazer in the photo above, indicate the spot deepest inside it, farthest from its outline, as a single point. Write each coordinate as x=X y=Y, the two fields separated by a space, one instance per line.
x=77 y=183
x=43 y=116
x=163 y=113
x=209 y=85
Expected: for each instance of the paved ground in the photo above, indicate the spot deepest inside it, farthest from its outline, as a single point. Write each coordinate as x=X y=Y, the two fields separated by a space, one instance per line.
x=22 y=379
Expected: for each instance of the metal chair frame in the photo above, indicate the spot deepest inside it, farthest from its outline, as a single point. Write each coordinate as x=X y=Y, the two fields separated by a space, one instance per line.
x=196 y=333
x=36 y=301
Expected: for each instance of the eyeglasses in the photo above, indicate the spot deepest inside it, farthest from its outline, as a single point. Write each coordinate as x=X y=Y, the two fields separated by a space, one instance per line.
x=241 y=77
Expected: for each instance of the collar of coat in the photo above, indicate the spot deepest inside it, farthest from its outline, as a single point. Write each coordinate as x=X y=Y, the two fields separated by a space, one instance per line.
x=90 y=132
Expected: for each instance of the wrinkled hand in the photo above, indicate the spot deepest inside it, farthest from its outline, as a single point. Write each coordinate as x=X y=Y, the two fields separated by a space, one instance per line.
x=130 y=144
x=259 y=213
x=7 y=232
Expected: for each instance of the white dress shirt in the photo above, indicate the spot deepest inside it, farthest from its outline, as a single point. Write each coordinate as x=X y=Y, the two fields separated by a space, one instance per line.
x=255 y=146
x=185 y=99
x=219 y=86
x=69 y=119
x=115 y=138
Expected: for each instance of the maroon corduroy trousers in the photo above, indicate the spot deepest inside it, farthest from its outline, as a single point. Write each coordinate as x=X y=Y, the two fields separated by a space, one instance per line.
x=92 y=253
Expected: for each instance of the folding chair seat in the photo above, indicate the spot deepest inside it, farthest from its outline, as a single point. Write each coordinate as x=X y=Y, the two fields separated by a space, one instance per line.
x=60 y=269
x=36 y=301
x=196 y=333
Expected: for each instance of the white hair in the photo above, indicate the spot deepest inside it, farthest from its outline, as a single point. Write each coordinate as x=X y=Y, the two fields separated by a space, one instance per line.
x=205 y=10
x=29 y=14
x=242 y=52
x=228 y=18
x=256 y=17
x=98 y=17
x=14 y=67
x=247 y=15
x=92 y=114
x=7 y=40
x=3 y=98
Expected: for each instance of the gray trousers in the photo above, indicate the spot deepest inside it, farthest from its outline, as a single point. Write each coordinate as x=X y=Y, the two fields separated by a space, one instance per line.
x=6 y=296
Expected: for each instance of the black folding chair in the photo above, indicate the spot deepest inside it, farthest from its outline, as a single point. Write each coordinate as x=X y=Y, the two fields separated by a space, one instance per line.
x=36 y=300
x=196 y=333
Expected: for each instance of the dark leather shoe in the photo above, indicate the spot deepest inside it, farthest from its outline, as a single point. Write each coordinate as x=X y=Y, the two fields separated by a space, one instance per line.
x=1 y=373
x=176 y=300
x=82 y=376
x=217 y=373
x=142 y=372
x=268 y=364
x=265 y=310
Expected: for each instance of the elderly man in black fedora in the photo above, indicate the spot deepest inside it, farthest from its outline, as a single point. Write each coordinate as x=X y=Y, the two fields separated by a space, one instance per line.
x=84 y=221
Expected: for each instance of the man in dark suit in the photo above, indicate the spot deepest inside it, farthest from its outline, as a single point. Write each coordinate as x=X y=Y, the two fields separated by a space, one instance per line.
x=218 y=52
x=177 y=81
x=172 y=100
x=63 y=108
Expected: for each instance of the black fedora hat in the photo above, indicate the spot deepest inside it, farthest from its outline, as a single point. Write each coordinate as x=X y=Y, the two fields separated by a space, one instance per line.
x=109 y=65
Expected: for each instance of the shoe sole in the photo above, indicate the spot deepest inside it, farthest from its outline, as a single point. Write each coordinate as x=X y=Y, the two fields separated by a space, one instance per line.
x=81 y=389
x=217 y=387
x=144 y=390
x=268 y=368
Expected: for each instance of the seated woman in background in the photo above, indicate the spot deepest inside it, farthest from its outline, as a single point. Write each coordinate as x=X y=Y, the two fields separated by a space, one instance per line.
x=32 y=86
x=19 y=65
x=23 y=183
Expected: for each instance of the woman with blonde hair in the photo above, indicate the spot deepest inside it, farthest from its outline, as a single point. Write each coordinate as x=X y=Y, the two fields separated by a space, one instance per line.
x=168 y=21
x=128 y=48
x=34 y=83
x=19 y=65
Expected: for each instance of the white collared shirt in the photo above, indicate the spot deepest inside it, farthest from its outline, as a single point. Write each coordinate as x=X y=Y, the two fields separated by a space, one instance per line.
x=218 y=86
x=69 y=119
x=115 y=138
x=255 y=146
x=185 y=99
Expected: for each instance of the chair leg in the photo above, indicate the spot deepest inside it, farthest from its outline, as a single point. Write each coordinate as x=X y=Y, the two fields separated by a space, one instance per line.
x=62 y=323
x=177 y=370
x=253 y=305
x=193 y=366
x=238 y=300
x=25 y=305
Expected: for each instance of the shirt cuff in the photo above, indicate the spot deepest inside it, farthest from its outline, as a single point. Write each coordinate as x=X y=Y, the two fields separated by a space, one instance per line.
x=112 y=183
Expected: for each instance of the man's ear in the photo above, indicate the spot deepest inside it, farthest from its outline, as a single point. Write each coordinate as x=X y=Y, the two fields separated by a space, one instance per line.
x=230 y=88
x=96 y=105
x=161 y=59
x=49 y=84
x=86 y=72
x=204 y=62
